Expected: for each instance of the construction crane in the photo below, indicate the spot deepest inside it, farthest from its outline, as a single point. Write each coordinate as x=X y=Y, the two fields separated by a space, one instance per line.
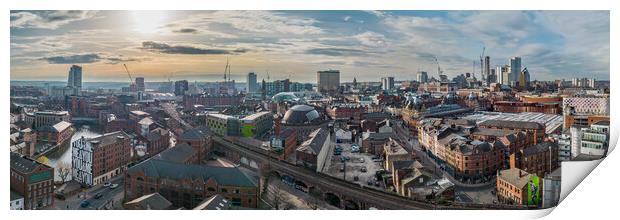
x=128 y=74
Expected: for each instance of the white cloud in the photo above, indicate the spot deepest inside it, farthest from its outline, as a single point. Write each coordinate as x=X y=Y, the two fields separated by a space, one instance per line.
x=47 y=19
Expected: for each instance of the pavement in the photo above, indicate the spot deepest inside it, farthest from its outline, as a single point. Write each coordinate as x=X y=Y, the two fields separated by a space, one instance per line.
x=353 y=167
x=112 y=198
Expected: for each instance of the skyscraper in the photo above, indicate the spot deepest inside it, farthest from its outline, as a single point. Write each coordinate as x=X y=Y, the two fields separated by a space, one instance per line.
x=251 y=84
x=140 y=84
x=422 y=77
x=387 y=83
x=75 y=77
x=524 y=79
x=500 y=74
x=487 y=69
x=515 y=70
x=328 y=80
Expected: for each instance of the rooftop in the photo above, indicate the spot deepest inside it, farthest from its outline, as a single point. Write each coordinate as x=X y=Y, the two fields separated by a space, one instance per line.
x=228 y=176
x=515 y=177
x=153 y=201
x=23 y=164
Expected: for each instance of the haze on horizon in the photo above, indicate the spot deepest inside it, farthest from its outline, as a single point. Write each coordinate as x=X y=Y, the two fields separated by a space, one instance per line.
x=196 y=45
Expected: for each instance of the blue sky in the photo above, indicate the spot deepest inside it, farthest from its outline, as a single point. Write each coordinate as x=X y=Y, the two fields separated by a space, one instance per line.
x=363 y=44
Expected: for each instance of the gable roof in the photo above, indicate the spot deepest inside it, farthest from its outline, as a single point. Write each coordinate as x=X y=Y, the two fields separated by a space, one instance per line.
x=228 y=176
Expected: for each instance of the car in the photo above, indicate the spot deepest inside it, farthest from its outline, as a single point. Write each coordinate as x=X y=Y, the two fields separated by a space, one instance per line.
x=98 y=196
x=362 y=160
x=113 y=186
x=356 y=178
x=377 y=183
x=84 y=204
x=108 y=184
x=363 y=169
x=342 y=169
x=370 y=182
x=344 y=158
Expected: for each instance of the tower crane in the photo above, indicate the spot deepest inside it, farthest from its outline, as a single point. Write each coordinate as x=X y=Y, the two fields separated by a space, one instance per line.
x=128 y=74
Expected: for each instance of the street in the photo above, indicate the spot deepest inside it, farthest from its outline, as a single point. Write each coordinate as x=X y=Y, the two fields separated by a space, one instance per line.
x=110 y=197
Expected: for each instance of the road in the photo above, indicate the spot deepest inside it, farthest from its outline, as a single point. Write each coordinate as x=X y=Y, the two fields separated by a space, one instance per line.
x=110 y=196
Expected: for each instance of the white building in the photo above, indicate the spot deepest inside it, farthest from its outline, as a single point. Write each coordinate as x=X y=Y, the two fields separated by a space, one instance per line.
x=588 y=105
x=17 y=201
x=387 y=83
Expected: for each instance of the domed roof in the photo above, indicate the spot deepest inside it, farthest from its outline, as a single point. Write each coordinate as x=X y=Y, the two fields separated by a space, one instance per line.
x=300 y=114
x=285 y=97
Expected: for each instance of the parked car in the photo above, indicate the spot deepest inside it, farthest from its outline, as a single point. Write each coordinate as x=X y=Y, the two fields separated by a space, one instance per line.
x=108 y=184
x=113 y=186
x=363 y=169
x=377 y=183
x=356 y=178
x=98 y=196
x=370 y=182
x=84 y=204
x=342 y=169
x=362 y=160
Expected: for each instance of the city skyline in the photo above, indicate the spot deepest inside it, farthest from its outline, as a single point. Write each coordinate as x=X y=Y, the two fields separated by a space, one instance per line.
x=368 y=45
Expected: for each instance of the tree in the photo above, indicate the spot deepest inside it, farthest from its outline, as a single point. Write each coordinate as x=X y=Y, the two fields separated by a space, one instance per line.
x=314 y=200
x=279 y=198
x=63 y=169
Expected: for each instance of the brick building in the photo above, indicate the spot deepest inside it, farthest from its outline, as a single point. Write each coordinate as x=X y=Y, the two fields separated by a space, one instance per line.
x=539 y=159
x=188 y=185
x=98 y=159
x=34 y=181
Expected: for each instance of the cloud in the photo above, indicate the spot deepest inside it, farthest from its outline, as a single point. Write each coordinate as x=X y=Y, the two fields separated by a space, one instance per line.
x=89 y=58
x=191 y=50
x=335 y=52
x=47 y=19
x=186 y=31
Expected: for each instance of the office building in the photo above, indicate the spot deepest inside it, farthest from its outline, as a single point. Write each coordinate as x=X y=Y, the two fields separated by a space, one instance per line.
x=387 y=83
x=515 y=70
x=140 y=84
x=422 y=77
x=328 y=81
x=180 y=87
x=251 y=84
x=487 y=69
x=524 y=79
x=223 y=125
x=75 y=77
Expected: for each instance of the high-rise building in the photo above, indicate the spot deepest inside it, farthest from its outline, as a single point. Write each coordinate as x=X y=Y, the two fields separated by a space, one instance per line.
x=75 y=77
x=328 y=80
x=180 y=87
x=504 y=71
x=251 y=84
x=387 y=83
x=515 y=70
x=487 y=69
x=524 y=79
x=140 y=84
x=422 y=77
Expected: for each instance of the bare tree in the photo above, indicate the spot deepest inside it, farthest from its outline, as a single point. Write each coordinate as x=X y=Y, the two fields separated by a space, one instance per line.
x=279 y=197
x=63 y=169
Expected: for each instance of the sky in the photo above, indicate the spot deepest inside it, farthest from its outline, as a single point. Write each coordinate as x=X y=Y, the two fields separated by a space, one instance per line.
x=367 y=45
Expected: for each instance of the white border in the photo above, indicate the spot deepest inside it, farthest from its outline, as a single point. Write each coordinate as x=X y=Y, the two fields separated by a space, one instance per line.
x=594 y=197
